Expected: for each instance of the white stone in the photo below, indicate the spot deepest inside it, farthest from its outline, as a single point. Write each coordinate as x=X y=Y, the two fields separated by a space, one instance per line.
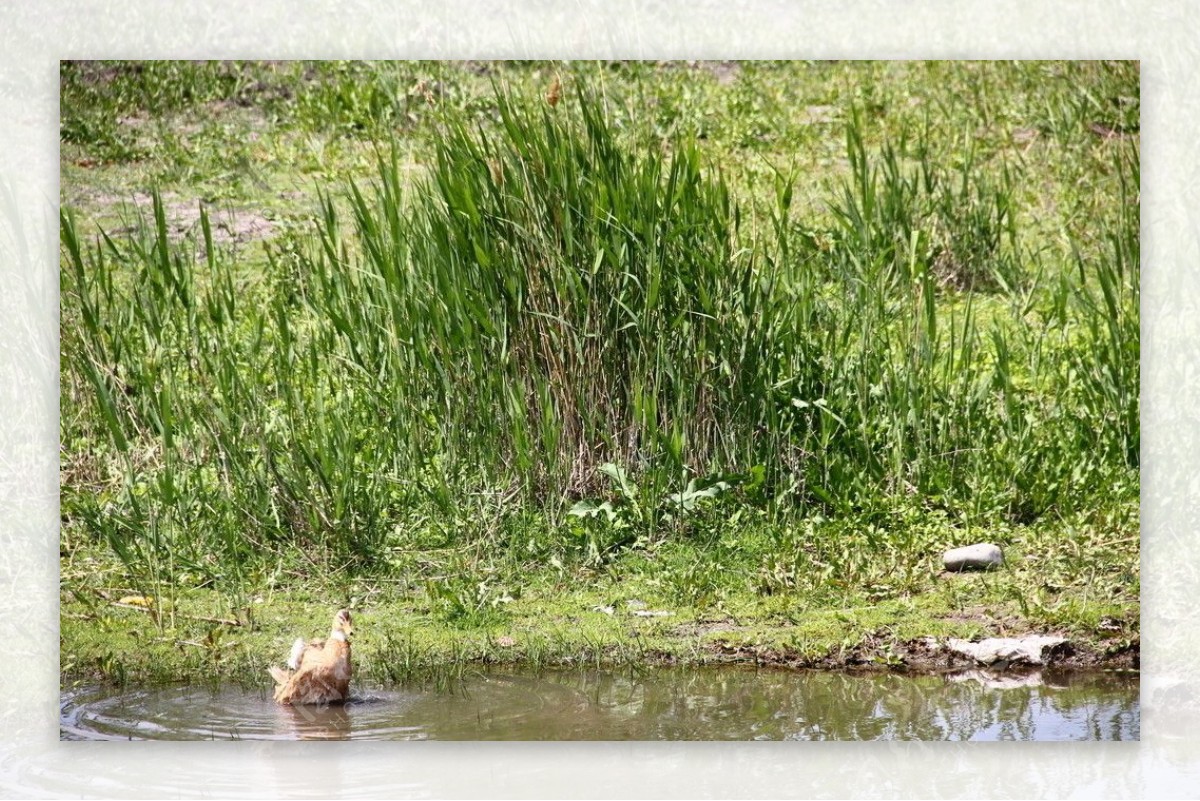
x=1013 y=650
x=981 y=556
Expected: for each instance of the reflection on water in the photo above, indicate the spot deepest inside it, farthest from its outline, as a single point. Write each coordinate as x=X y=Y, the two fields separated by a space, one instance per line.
x=659 y=704
x=317 y=722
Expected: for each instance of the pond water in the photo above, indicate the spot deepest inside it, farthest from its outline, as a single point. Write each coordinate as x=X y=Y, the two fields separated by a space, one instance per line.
x=654 y=704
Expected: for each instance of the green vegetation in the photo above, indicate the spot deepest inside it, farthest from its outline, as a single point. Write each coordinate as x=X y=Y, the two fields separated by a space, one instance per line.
x=503 y=354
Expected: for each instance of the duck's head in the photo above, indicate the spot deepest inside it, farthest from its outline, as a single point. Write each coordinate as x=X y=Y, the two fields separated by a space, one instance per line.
x=341 y=623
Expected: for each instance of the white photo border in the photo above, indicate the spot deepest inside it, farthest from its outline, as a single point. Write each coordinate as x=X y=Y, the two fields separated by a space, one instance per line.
x=33 y=762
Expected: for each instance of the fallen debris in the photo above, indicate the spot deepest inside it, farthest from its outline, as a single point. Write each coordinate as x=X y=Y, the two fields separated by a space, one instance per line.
x=981 y=556
x=1004 y=651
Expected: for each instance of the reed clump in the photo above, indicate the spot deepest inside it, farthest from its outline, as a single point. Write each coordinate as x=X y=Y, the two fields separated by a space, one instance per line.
x=550 y=318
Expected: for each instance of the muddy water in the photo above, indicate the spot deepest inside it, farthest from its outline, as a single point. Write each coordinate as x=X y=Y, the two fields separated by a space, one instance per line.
x=659 y=704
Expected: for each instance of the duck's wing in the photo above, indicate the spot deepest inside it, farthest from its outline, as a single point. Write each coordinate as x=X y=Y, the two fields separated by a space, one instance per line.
x=293 y=660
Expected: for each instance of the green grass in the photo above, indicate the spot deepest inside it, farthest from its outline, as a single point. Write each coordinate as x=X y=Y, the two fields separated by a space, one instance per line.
x=750 y=343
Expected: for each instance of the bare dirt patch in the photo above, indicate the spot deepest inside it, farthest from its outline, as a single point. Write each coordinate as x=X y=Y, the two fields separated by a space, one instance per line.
x=726 y=72
x=700 y=628
x=997 y=625
x=182 y=217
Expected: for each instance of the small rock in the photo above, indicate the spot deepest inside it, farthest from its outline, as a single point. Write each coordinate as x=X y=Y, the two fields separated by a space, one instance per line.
x=981 y=556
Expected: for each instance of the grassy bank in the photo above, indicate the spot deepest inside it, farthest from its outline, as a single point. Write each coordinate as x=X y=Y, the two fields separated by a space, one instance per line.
x=507 y=357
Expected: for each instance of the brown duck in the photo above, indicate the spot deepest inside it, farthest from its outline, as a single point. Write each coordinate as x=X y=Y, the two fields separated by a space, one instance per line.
x=320 y=669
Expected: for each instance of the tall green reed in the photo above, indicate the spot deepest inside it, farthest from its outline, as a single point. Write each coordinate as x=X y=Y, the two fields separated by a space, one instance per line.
x=550 y=303
x=545 y=301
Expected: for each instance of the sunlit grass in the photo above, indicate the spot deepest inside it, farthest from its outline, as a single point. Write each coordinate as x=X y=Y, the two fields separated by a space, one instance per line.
x=662 y=334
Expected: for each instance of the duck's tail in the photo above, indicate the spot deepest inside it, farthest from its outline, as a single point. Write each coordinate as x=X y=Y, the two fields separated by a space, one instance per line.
x=281 y=676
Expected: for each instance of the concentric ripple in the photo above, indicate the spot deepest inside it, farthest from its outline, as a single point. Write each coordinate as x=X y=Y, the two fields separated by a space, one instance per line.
x=227 y=713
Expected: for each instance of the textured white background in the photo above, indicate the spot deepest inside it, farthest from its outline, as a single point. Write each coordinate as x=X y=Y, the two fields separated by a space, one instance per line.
x=1163 y=35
